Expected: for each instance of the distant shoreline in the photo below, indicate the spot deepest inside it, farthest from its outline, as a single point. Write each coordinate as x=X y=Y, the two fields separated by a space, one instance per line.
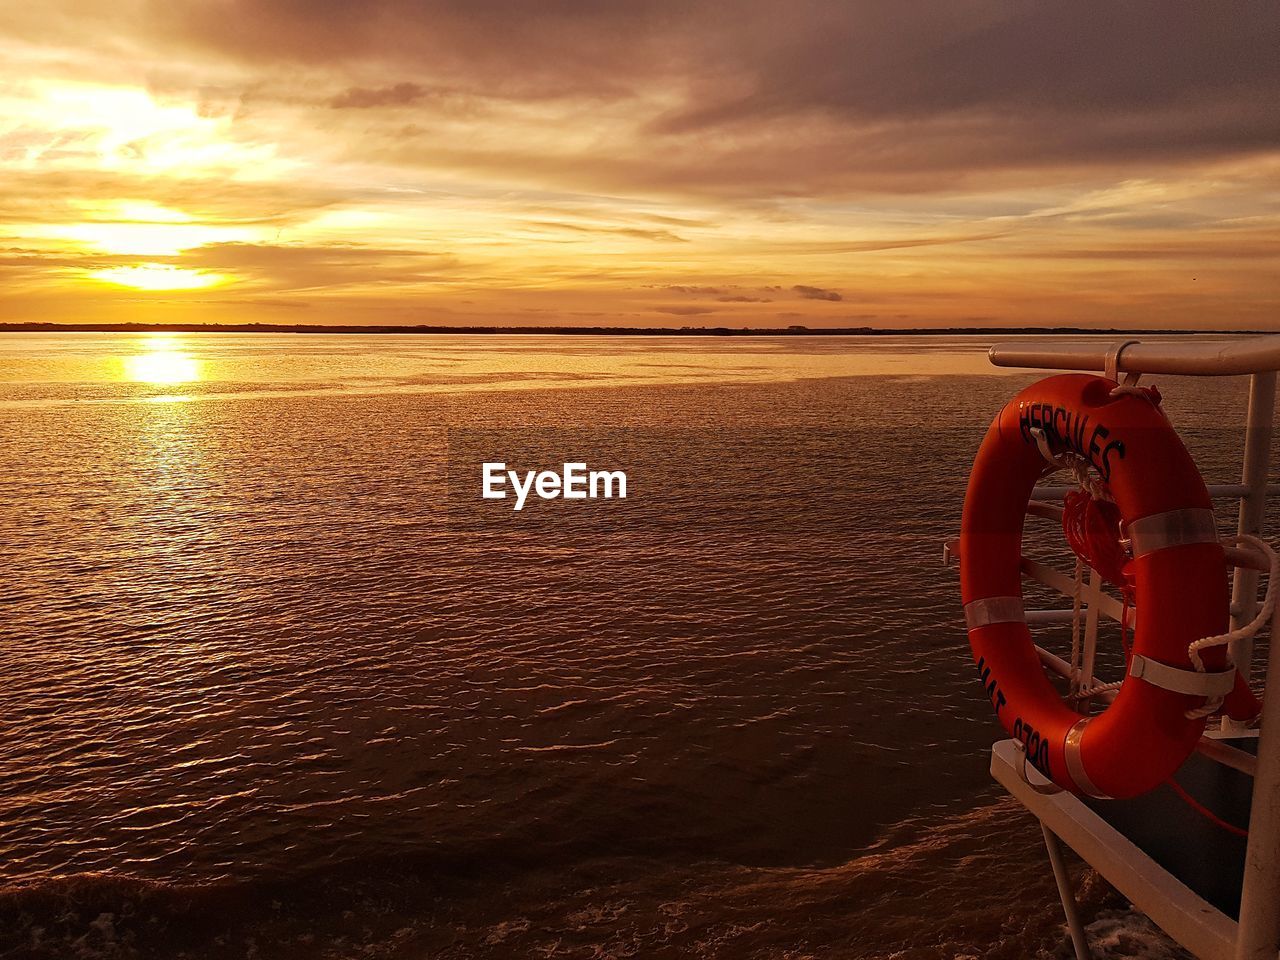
x=790 y=331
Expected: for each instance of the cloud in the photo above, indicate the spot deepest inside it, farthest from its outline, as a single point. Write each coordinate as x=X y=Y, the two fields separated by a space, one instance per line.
x=816 y=293
x=363 y=98
x=720 y=294
x=296 y=267
x=36 y=196
x=675 y=97
x=685 y=311
x=943 y=158
x=694 y=290
x=804 y=95
x=662 y=236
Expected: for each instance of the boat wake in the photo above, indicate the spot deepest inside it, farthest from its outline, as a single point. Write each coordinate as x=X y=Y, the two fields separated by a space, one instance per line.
x=968 y=886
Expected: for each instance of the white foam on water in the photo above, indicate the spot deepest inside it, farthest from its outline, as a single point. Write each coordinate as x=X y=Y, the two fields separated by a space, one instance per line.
x=1131 y=935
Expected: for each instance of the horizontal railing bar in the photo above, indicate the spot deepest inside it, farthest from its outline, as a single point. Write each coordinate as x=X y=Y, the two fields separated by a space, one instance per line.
x=1236 y=556
x=1052 y=661
x=1048 y=511
x=1213 y=358
x=1065 y=585
x=1064 y=615
x=1218 y=490
x=1228 y=755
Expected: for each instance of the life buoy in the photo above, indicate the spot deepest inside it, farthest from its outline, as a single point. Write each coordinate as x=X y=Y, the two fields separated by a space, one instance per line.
x=1178 y=569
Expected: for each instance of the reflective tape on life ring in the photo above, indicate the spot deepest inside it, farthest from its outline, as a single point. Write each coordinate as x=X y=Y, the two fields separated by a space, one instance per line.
x=1075 y=766
x=1174 y=528
x=980 y=613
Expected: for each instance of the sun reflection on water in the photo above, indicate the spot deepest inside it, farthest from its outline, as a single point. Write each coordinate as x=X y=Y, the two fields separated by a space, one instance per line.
x=163 y=362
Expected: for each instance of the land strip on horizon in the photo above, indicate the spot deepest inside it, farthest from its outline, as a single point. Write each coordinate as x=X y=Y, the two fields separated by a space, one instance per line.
x=791 y=331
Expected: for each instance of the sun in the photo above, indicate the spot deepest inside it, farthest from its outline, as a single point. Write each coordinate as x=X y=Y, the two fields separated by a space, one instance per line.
x=155 y=276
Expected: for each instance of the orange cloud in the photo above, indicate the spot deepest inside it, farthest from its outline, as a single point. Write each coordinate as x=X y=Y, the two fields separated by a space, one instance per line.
x=936 y=163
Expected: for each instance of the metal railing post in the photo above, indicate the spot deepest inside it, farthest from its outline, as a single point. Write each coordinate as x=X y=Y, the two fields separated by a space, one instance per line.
x=1253 y=504
x=1259 y=930
x=1258 y=934
x=1079 y=942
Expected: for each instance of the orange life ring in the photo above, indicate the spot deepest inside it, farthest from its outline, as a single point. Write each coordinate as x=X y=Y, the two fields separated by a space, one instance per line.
x=1181 y=588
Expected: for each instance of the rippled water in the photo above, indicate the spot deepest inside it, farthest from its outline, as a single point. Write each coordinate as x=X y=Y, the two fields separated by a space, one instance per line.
x=278 y=683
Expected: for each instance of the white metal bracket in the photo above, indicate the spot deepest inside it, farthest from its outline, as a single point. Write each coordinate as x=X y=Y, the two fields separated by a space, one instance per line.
x=1111 y=364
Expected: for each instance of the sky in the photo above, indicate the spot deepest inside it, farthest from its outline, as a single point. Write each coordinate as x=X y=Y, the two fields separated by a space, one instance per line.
x=927 y=163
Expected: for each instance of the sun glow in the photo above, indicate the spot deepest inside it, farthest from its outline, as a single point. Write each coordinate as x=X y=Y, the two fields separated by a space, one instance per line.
x=145 y=239
x=155 y=276
x=143 y=229
x=164 y=363
x=130 y=129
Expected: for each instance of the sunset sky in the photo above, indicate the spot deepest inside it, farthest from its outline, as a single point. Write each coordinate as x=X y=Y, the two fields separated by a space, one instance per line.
x=647 y=163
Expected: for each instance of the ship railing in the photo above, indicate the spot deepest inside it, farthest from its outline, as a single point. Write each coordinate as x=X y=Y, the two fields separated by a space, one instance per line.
x=1199 y=927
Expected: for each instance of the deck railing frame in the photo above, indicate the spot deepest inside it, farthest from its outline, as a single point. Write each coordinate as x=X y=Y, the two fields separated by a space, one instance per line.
x=1258 y=930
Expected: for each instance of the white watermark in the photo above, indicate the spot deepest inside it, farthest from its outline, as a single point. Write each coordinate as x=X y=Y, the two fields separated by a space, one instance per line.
x=573 y=482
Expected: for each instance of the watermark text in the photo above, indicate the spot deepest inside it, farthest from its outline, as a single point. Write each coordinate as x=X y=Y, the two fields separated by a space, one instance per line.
x=573 y=482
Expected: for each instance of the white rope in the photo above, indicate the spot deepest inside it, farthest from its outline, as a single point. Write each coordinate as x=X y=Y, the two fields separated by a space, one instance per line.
x=1090 y=483
x=1097 y=689
x=1129 y=386
x=1129 y=390
x=1076 y=593
x=1213 y=704
x=1076 y=464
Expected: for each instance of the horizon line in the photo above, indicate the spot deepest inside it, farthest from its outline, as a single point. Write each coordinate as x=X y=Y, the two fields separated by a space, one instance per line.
x=793 y=330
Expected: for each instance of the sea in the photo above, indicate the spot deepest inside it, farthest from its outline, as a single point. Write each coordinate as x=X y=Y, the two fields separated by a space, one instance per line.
x=279 y=682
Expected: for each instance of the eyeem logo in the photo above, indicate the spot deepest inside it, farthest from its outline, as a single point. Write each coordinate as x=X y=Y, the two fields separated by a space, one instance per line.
x=574 y=482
